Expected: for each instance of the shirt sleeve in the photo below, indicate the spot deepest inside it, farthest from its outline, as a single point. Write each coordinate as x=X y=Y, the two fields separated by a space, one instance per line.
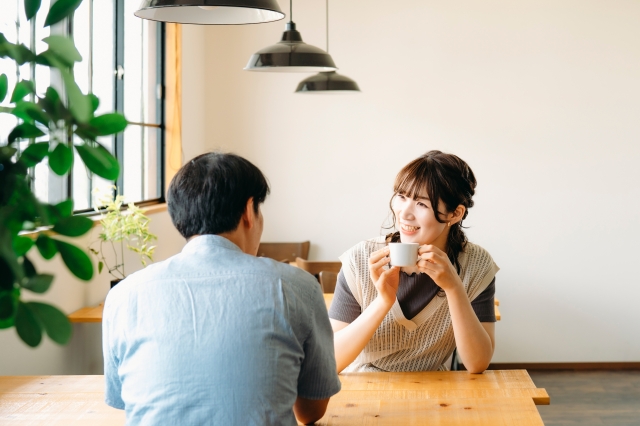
x=113 y=386
x=318 y=377
x=483 y=305
x=344 y=307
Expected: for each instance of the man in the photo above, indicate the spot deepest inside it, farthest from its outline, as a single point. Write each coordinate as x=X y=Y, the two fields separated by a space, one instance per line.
x=215 y=335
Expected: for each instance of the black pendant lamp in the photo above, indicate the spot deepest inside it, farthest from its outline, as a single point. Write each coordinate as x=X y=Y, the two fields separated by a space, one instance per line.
x=327 y=82
x=210 y=12
x=291 y=54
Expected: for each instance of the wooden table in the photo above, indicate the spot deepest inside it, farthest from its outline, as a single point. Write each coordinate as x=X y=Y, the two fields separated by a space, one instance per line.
x=88 y=314
x=438 y=398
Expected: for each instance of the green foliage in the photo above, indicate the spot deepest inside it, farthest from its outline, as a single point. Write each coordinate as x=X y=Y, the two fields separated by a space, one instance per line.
x=60 y=10
x=4 y=82
x=31 y=7
x=99 y=160
x=49 y=124
x=60 y=159
x=130 y=227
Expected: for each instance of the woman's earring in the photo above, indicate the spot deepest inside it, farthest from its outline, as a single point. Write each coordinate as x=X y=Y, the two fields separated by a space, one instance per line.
x=449 y=224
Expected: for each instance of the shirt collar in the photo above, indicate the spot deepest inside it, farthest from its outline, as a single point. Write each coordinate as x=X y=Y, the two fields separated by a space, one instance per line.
x=209 y=240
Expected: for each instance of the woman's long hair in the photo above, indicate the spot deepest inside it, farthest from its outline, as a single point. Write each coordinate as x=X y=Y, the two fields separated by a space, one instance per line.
x=447 y=179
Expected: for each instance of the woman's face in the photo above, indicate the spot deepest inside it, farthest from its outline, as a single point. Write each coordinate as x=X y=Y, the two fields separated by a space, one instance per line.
x=416 y=222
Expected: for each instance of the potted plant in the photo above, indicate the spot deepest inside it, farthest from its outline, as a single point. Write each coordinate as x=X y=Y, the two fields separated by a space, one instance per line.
x=120 y=227
x=52 y=124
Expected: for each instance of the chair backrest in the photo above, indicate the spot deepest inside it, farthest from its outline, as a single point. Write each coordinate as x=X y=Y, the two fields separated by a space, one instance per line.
x=328 y=281
x=284 y=252
x=315 y=267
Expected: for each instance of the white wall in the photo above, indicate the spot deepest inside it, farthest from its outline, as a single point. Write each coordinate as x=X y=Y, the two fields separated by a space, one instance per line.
x=541 y=98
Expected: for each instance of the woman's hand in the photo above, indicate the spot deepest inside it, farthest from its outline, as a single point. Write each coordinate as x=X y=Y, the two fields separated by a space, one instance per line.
x=435 y=263
x=386 y=281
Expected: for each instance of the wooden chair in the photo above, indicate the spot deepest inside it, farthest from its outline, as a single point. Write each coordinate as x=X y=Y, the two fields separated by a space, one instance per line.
x=328 y=281
x=314 y=267
x=284 y=252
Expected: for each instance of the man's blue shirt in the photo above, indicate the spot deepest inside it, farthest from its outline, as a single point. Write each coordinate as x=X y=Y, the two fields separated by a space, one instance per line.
x=216 y=336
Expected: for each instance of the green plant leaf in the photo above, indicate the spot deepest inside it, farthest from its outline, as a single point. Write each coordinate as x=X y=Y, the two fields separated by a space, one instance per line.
x=79 y=104
x=27 y=325
x=6 y=152
x=60 y=159
x=46 y=246
x=52 y=104
x=7 y=305
x=18 y=52
x=28 y=111
x=95 y=102
x=7 y=276
x=29 y=269
x=39 y=283
x=4 y=83
x=31 y=7
x=64 y=48
x=73 y=226
x=21 y=245
x=55 y=323
x=24 y=131
x=60 y=10
x=65 y=208
x=22 y=89
x=34 y=153
x=100 y=266
x=76 y=260
x=108 y=124
x=8 y=260
x=99 y=161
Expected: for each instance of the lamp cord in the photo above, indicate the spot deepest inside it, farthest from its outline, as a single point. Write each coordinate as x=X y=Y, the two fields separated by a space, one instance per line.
x=290 y=10
x=327 y=17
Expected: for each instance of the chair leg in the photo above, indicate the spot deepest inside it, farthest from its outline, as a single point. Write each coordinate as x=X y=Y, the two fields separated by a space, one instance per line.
x=454 y=360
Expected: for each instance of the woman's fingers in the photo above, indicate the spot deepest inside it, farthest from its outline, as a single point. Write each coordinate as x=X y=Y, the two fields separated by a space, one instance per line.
x=429 y=248
x=379 y=264
x=377 y=260
x=378 y=254
x=391 y=274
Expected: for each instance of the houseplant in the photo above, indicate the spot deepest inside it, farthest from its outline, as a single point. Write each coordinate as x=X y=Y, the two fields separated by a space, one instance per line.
x=48 y=123
x=120 y=227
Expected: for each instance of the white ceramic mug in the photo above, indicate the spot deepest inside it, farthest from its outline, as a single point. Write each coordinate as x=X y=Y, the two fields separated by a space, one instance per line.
x=403 y=254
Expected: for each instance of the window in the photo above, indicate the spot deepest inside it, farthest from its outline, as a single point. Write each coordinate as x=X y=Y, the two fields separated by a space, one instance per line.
x=123 y=65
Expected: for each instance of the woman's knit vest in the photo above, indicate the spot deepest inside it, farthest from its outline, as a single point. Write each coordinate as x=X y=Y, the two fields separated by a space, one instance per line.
x=426 y=341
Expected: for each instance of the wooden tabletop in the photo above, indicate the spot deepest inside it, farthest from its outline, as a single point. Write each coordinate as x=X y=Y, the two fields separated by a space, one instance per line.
x=438 y=398
x=89 y=314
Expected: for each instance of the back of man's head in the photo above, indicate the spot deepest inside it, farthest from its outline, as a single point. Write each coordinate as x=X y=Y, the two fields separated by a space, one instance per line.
x=209 y=194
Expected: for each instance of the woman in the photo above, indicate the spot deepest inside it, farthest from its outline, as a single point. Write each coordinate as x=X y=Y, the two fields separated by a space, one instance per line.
x=389 y=319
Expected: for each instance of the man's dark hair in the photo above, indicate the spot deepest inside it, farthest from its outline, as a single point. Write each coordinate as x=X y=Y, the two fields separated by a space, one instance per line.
x=209 y=194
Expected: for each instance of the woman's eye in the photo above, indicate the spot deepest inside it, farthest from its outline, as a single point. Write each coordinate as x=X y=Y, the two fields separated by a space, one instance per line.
x=422 y=205
x=400 y=196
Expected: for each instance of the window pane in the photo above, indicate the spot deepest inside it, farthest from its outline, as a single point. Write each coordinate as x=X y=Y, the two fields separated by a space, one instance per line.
x=140 y=81
x=8 y=19
x=103 y=56
x=82 y=40
x=141 y=159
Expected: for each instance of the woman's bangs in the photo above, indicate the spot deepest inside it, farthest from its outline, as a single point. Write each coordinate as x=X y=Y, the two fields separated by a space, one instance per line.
x=412 y=181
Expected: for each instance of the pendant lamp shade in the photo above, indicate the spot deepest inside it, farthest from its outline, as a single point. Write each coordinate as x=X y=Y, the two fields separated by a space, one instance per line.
x=210 y=12
x=291 y=54
x=327 y=82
